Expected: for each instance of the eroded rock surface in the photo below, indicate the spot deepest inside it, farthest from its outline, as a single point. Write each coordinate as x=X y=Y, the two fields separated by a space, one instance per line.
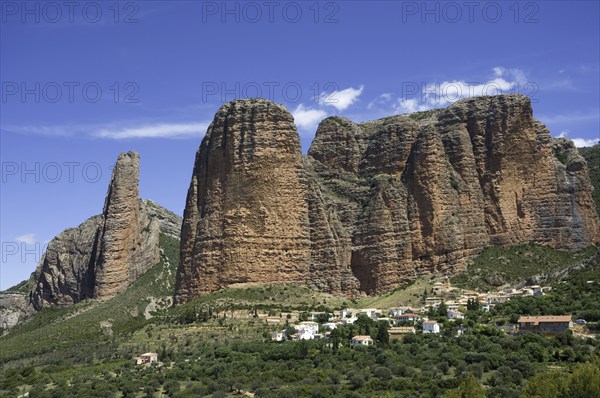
x=375 y=204
x=106 y=253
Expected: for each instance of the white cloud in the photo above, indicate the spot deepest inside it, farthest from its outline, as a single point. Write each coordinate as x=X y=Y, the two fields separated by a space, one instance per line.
x=341 y=99
x=583 y=142
x=28 y=239
x=161 y=130
x=307 y=118
x=438 y=94
x=579 y=142
x=410 y=106
x=383 y=99
x=116 y=131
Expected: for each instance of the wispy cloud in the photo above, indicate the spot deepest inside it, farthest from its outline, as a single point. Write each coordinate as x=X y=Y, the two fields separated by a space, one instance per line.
x=570 y=117
x=115 y=131
x=341 y=99
x=579 y=142
x=162 y=130
x=28 y=239
x=308 y=118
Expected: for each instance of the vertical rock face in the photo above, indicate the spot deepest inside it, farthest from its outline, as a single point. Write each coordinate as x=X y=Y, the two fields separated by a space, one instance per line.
x=129 y=239
x=65 y=274
x=246 y=215
x=106 y=253
x=444 y=184
x=380 y=202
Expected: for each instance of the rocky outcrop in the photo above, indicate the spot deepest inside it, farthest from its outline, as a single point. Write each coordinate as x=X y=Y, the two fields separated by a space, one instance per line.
x=106 y=253
x=446 y=183
x=381 y=202
x=14 y=309
x=128 y=242
x=66 y=272
x=246 y=214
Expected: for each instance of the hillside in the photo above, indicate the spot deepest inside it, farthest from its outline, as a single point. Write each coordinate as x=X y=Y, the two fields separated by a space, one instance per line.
x=91 y=326
x=218 y=345
x=515 y=265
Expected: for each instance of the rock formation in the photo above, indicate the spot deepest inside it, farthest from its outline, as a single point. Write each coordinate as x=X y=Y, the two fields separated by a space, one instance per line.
x=246 y=214
x=14 y=309
x=374 y=205
x=106 y=253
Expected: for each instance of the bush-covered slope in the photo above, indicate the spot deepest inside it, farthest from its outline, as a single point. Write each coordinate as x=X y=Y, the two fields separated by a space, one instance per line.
x=499 y=265
x=90 y=323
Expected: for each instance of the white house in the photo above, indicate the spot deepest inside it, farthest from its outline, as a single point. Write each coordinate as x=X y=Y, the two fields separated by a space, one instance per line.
x=149 y=357
x=361 y=341
x=394 y=312
x=431 y=327
x=349 y=321
x=329 y=326
x=455 y=315
x=370 y=312
x=527 y=292
x=408 y=317
x=307 y=329
x=537 y=290
x=277 y=336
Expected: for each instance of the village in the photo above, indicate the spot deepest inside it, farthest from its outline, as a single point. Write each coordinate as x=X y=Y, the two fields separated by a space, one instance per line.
x=445 y=302
x=406 y=320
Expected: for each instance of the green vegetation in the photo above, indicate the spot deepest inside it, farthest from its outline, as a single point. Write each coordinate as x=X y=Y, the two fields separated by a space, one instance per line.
x=592 y=157
x=408 y=295
x=498 y=265
x=578 y=294
x=219 y=345
x=418 y=116
x=89 y=323
x=417 y=366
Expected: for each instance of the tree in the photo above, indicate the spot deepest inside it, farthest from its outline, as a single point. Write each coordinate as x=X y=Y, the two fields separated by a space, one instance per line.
x=585 y=380
x=472 y=305
x=335 y=339
x=545 y=385
x=469 y=388
x=442 y=309
x=383 y=336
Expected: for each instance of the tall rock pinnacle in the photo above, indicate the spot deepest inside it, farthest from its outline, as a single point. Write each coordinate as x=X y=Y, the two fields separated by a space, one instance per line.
x=246 y=215
x=108 y=252
x=129 y=240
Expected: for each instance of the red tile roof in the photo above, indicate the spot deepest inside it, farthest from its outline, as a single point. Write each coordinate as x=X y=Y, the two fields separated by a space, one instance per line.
x=542 y=319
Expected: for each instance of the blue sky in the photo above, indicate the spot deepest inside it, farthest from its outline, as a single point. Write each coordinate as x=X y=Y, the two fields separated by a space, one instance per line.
x=81 y=85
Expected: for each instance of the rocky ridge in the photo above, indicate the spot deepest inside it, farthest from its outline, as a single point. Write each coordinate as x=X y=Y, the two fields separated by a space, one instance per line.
x=375 y=204
x=106 y=253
